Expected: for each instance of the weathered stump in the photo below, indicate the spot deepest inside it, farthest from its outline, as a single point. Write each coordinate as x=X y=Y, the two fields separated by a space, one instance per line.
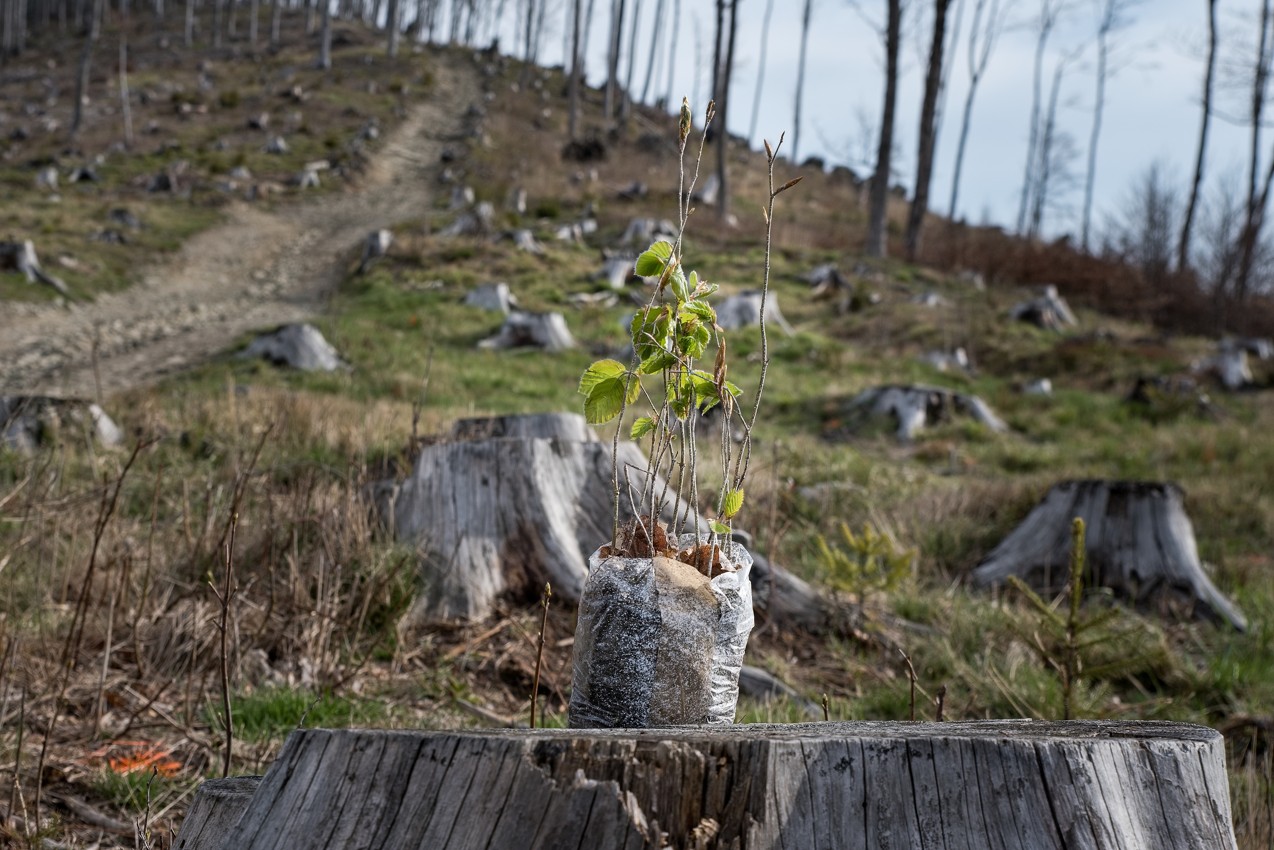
x=1049 y=311
x=1138 y=542
x=547 y=331
x=299 y=346
x=21 y=257
x=217 y=806
x=743 y=310
x=507 y=506
x=26 y=422
x=1017 y=785
x=910 y=408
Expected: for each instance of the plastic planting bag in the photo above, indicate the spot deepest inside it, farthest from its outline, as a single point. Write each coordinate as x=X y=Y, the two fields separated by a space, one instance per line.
x=658 y=642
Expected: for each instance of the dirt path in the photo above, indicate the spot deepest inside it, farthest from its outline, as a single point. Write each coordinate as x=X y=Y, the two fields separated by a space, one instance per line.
x=256 y=270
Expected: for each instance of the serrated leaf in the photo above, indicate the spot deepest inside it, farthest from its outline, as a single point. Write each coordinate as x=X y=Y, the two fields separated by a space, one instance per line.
x=680 y=287
x=719 y=527
x=603 y=386
x=657 y=362
x=652 y=261
x=700 y=310
x=649 y=330
x=732 y=503
x=642 y=426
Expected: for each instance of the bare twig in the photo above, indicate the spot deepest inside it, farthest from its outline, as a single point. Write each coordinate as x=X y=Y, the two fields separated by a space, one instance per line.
x=827 y=713
x=911 y=676
x=539 y=652
x=941 y=701
x=227 y=590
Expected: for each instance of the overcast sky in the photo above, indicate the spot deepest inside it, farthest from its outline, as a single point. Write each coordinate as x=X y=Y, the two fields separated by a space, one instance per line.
x=1152 y=101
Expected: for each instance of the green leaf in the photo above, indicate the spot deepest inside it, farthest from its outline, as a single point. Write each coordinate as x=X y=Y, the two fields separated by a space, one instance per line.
x=603 y=386
x=719 y=527
x=700 y=310
x=657 y=362
x=641 y=427
x=680 y=288
x=652 y=261
x=731 y=504
x=650 y=331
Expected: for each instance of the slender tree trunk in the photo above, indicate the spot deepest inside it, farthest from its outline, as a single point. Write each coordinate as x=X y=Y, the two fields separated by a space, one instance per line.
x=981 y=43
x=1099 y=106
x=1250 y=235
x=928 y=132
x=82 y=76
x=254 y=13
x=656 y=29
x=1183 y=247
x=1048 y=138
x=276 y=23
x=879 y=196
x=391 y=24
x=232 y=18
x=612 y=62
x=672 y=53
x=572 y=120
x=717 y=51
x=126 y=109
x=530 y=30
x=1046 y=21
x=190 y=23
x=800 y=79
x=723 y=106
x=325 y=38
x=626 y=96
x=583 y=41
x=760 y=71
x=216 y=23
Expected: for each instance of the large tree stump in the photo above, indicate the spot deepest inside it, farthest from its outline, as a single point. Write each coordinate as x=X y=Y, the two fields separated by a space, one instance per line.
x=217 y=807
x=510 y=505
x=1138 y=542
x=1015 y=785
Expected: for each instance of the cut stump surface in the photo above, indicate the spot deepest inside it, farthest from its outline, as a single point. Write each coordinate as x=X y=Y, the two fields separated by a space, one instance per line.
x=998 y=784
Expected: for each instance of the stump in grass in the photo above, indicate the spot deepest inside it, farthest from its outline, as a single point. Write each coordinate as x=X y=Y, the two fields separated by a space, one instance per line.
x=910 y=408
x=512 y=503
x=1002 y=784
x=545 y=331
x=1140 y=544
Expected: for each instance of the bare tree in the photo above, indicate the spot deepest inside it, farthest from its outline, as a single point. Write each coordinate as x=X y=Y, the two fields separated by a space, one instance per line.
x=1257 y=191
x=325 y=38
x=626 y=97
x=572 y=113
x=800 y=79
x=1112 y=15
x=928 y=132
x=86 y=62
x=1056 y=151
x=760 y=70
x=126 y=109
x=672 y=50
x=1187 y=222
x=725 y=72
x=391 y=24
x=656 y=30
x=1050 y=11
x=988 y=24
x=878 y=201
x=612 y=61
x=276 y=23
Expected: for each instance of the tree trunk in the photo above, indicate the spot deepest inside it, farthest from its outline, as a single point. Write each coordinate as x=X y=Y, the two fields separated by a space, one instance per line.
x=392 y=24
x=216 y=23
x=980 y=47
x=1139 y=543
x=325 y=38
x=572 y=120
x=1104 y=29
x=1045 y=148
x=723 y=105
x=82 y=75
x=509 y=505
x=878 y=201
x=612 y=57
x=760 y=70
x=126 y=109
x=254 y=14
x=928 y=132
x=1020 y=784
x=800 y=81
x=656 y=30
x=190 y=24
x=276 y=23
x=626 y=95
x=672 y=53
x=1047 y=19
x=1183 y=247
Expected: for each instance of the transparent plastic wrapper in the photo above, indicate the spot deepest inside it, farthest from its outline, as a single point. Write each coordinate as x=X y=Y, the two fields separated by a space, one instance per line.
x=658 y=643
